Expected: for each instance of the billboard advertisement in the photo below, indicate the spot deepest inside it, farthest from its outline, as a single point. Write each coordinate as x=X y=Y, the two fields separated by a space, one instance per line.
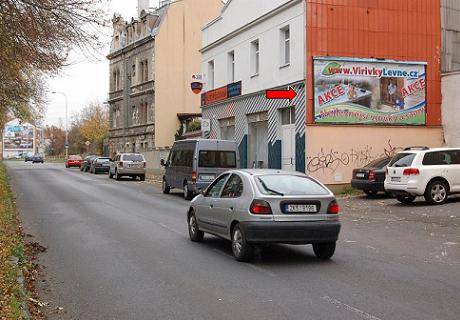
x=363 y=91
x=18 y=137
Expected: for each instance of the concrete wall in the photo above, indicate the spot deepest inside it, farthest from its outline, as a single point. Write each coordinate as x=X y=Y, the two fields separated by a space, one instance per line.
x=334 y=151
x=177 y=57
x=153 y=159
x=272 y=71
x=451 y=108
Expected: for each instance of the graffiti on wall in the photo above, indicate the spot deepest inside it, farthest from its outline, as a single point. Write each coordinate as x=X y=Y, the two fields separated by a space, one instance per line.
x=329 y=160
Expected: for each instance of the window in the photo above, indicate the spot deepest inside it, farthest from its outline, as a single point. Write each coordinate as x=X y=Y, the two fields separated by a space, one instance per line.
x=184 y=158
x=146 y=71
x=133 y=157
x=255 y=58
x=441 y=158
x=402 y=160
x=231 y=66
x=289 y=185
x=233 y=188
x=288 y=116
x=285 y=46
x=211 y=75
x=217 y=159
x=214 y=189
x=134 y=115
x=133 y=73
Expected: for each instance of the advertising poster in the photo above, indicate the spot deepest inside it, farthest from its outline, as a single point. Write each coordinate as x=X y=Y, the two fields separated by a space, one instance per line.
x=18 y=137
x=357 y=91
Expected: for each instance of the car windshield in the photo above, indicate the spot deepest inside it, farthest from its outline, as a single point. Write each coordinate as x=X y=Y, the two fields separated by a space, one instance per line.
x=402 y=160
x=285 y=184
x=379 y=163
x=133 y=157
x=217 y=159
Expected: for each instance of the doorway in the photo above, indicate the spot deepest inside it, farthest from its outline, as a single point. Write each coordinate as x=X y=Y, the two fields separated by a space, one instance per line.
x=258 y=141
x=288 y=160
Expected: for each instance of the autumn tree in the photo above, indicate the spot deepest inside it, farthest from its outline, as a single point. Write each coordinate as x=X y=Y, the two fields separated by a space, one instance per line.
x=35 y=39
x=55 y=140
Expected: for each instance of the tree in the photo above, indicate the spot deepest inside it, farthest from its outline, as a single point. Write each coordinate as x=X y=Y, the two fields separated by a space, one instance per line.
x=55 y=137
x=35 y=39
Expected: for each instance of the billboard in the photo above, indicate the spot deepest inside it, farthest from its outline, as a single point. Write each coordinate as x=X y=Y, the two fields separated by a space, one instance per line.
x=365 y=91
x=18 y=137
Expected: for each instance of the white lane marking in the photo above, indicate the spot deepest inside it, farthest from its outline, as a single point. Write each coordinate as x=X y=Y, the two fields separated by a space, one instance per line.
x=361 y=313
x=170 y=229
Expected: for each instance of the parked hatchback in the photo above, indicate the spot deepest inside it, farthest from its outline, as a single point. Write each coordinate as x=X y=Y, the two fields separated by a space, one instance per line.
x=256 y=207
x=193 y=164
x=128 y=164
x=421 y=171
x=370 y=178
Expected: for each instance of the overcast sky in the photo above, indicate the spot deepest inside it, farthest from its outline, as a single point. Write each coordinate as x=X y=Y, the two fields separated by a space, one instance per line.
x=86 y=80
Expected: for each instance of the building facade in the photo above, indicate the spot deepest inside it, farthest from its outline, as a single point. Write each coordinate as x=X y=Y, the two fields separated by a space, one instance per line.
x=151 y=61
x=370 y=82
x=251 y=47
x=450 y=23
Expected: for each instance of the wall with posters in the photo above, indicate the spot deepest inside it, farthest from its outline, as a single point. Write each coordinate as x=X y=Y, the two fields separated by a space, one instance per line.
x=18 y=139
x=368 y=91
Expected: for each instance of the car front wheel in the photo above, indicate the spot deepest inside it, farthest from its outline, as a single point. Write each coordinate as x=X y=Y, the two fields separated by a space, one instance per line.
x=188 y=195
x=406 y=199
x=194 y=232
x=324 y=251
x=242 y=251
x=436 y=192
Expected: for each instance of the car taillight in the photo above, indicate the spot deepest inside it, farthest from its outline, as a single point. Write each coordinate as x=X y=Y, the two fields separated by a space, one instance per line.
x=260 y=207
x=411 y=172
x=333 y=208
x=193 y=177
x=371 y=175
x=121 y=164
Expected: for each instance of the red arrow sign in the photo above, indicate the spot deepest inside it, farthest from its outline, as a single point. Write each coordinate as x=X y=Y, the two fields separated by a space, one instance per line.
x=281 y=94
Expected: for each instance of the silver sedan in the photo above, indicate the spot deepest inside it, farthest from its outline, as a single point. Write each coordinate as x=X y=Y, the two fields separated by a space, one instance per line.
x=256 y=207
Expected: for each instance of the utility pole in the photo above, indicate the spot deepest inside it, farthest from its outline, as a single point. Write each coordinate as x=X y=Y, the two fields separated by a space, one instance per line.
x=66 y=147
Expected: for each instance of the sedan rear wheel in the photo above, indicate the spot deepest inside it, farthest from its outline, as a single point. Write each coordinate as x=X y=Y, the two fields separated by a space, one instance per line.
x=194 y=232
x=324 y=251
x=406 y=199
x=117 y=176
x=242 y=251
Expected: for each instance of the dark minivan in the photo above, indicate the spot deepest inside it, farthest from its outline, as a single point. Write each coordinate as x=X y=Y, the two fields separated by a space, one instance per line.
x=193 y=164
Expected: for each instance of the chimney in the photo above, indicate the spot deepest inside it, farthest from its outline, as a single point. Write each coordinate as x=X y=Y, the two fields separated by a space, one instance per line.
x=142 y=5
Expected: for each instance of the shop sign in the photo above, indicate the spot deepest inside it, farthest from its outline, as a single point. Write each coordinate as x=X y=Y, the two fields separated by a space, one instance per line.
x=362 y=91
x=229 y=91
x=197 y=83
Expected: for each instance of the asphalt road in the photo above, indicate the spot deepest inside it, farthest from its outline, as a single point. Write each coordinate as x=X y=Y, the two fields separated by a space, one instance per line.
x=120 y=250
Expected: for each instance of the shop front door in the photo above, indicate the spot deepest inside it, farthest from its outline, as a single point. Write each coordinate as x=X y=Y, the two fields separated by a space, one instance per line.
x=288 y=147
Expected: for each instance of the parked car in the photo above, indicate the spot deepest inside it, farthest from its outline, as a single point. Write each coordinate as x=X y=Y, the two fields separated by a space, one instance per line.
x=256 y=207
x=421 y=171
x=128 y=164
x=100 y=164
x=28 y=157
x=370 y=178
x=74 y=161
x=193 y=164
x=86 y=163
x=38 y=158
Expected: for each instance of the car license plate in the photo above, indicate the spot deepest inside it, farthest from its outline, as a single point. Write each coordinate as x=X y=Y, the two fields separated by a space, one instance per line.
x=301 y=208
x=105 y=164
x=360 y=175
x=395 y=179
x=134 y=165
x=206 y=177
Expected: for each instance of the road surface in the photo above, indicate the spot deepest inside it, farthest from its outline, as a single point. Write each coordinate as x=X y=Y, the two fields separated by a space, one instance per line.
x=120 y=250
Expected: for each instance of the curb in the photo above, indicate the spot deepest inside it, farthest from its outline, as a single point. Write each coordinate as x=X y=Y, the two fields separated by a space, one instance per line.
x=20 y=280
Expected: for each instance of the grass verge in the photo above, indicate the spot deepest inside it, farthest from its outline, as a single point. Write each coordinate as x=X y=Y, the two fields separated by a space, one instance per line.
x=12 y=295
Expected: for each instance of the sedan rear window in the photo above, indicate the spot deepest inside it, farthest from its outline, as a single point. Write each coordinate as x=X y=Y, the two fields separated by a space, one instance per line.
x=103 y=160
x=217 y=159
x=379 y=163
x=290 y=185
x=75 y=158
x=402 y=160
x=133 y=157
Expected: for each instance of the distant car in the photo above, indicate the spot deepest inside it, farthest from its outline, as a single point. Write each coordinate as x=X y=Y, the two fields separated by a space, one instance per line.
x=370 y=178
x=128 y=164
x=28 y=157
x=38 y=158
x=193 y=164
x=422 y=171
x=74 y=161
x=256 y=207
x=86 y=163
x=100 y=164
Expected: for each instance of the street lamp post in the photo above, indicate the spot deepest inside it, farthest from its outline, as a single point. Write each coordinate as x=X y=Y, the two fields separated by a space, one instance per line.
x=66 y=147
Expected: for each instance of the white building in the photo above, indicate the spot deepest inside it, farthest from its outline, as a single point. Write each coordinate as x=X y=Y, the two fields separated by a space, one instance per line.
x=251 y=47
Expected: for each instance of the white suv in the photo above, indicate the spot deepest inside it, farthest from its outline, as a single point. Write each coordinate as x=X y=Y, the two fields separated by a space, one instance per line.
x=421 y=171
